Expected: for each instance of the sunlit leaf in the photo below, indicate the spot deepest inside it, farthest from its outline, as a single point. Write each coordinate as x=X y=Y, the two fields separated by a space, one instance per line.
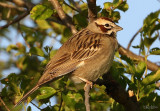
x=151 y=18
x=43 y=24
x=36 y=51
x=52 y=53
x=107 y=5
x=140 y=69
x=151 y=78
x=115 y=16
x=46 y=92
x=41 y=12
x=155 y=51
x=10 y=47
x=116 y=2
x=149 y=41
x=123 y=6
x=149 y=24
x=145 y=91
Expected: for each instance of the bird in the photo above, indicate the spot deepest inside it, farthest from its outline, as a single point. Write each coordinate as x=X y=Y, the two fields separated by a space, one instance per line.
x=85 y=56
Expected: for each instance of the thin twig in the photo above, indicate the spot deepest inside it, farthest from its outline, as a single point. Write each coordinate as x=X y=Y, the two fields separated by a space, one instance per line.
x=63 y=16
x=4 y=104
x=12 y=6
x=70 y=6
x=23 y=36
x=150 y=65
x=15 y=20
x=76 y=5
x=60 y=106
x=20 y=17
x=86 y=93
x=134 y=36
x=35 y=105
x=74 y=9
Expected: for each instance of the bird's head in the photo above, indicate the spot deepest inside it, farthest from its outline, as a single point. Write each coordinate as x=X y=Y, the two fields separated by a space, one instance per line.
x=104 y=25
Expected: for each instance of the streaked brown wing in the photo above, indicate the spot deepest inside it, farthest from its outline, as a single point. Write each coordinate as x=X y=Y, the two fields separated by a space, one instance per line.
x=79 y=49
x=86 y=47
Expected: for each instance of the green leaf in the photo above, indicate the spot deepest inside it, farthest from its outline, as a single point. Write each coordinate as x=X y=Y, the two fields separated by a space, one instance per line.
x=116 y=2
x=10 y=47
x=145 y=91
x=57 y=28
x=41 y=12
x=151 y=78
x=36 y=51
x=149 y=24
x=107 y=5
x=149 y=41
x=43 y=24
x=131 y=69
x=123 y=6
x=140 y=69
x=68 y=99
x=151 y=18
x=115 y=16
x=66 y=35
x=52 y=53
x=128 y=60
x=29 y=108
x=155 y=51
x=136 y=47
x=155 y=28
x=80 y=20
x=48 y=49
x=117 y=54
x=46 y=92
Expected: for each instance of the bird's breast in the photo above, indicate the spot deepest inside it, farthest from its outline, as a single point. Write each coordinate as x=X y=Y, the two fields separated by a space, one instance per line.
x=96 y=66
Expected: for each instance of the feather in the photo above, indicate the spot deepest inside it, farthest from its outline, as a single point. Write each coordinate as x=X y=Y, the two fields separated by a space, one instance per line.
x=26 y=95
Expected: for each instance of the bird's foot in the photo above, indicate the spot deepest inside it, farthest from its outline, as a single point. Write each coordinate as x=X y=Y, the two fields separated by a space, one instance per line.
x=87 y=82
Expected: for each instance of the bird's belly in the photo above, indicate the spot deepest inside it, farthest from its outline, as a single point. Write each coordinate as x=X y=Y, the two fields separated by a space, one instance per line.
x=93 y=68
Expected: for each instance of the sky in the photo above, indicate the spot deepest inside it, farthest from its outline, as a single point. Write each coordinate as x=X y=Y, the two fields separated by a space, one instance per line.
x=131 y=21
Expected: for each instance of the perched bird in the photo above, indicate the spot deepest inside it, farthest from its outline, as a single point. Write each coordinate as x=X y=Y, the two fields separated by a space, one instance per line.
x=87 y=55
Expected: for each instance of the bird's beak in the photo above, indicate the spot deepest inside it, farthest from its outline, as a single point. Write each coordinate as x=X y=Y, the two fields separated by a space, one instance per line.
x=118 y=28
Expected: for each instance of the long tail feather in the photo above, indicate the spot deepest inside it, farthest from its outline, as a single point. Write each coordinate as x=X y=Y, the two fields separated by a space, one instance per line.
x=26 y=95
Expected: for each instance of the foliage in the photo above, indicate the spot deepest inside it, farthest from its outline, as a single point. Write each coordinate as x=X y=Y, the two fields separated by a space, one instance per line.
x=31 y=56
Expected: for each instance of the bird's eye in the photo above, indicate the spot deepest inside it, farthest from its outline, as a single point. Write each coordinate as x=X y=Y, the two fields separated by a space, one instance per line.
x=107 y=25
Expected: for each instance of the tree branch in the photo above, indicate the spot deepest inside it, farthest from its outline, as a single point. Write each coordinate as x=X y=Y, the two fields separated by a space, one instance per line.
x=63 y=16
x=92 y=12
x=35 y=106
x=150 y=65
x=134 y=36
x=19 y=2
x=86 y=93
x=12 y=6
x=20 y=17
x=4 y=104
x=15 y=20
x=114 y=90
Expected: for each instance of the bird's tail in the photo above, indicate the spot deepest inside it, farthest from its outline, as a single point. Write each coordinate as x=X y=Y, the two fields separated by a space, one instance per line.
x=26 y=95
